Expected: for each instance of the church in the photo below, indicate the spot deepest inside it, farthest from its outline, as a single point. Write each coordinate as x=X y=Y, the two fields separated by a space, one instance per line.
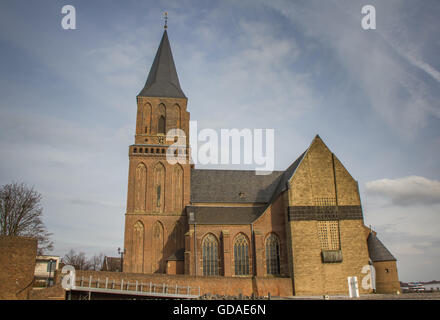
x=302 y=228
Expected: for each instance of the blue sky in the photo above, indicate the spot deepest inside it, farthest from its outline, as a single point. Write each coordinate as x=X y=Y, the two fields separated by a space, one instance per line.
x=68 y=107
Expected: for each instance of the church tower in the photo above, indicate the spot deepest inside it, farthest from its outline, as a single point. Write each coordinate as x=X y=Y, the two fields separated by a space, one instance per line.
x=158 y=190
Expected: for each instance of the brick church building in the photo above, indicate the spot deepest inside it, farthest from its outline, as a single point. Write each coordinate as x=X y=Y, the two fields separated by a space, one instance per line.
x=303 y=225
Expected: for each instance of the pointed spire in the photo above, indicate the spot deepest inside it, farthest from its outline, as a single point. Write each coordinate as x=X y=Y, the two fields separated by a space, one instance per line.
x=162 y=80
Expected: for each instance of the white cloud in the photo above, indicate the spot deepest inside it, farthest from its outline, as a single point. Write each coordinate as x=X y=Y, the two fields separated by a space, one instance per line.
x=412 y=190
x=371 y=61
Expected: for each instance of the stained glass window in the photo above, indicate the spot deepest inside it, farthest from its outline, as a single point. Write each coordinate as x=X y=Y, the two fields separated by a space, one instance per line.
x=241 y=255
x=210 y=256
x=272 y=255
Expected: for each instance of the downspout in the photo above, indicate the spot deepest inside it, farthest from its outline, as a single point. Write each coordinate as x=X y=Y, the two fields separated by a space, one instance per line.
x=195 y=250
x=254 y=251
x=254 y=262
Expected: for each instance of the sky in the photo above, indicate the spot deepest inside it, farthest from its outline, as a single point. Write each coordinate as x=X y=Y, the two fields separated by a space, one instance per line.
x=68 y=103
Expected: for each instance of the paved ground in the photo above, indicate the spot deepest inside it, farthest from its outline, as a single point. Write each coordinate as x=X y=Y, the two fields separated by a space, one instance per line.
x=404 y=296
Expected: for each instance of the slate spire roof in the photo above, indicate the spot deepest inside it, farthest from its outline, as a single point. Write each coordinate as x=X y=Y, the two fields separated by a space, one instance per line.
x=377 y=250
x=162 y=80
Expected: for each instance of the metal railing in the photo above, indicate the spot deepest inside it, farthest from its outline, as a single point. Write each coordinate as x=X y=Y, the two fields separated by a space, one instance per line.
x=113 y=286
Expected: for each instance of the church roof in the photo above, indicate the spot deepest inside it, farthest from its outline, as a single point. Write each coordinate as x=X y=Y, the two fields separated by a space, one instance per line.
x=239 y=186
x=377 y=250
x=282 y=185
x=162 y=80
x=225 y=215
x=233 y=186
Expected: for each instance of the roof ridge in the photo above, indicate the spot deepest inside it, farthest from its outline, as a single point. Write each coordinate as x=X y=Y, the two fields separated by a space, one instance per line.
x=235 y=170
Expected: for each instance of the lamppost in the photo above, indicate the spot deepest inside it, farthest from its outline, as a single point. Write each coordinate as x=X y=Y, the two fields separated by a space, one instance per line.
x=51 y=262
x=121 y=252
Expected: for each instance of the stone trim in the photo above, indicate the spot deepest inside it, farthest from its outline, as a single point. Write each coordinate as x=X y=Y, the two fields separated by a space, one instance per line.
x=305 y=213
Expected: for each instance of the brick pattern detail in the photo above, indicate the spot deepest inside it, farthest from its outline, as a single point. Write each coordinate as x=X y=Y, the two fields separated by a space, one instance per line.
x=303 y=213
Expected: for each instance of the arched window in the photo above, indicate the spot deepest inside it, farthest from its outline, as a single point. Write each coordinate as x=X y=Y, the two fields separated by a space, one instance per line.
x=161 y=125
x=140 y=187
x=241 y=255
x=210 y=256
x=178 y=188
x=138 y=247
x=159 y=188
x=272 y=255
x=177 y=116
x=158 y=246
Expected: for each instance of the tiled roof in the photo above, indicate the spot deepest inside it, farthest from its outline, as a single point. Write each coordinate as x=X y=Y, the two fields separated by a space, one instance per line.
x=162 y=80
x=377 y=250
x=233 y=186
x=225 y=215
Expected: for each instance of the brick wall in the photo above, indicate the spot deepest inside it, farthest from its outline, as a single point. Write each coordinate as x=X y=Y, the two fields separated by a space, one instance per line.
x=175 y=267
x=321 y=175
x=213 y=285
x=387 y=279
x=55 y=292
x=146 y=252
x=17 y=269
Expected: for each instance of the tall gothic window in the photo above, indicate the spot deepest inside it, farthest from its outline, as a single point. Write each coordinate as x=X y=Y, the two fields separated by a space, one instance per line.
x=210 y=256
x=138 y=245
x=177 y=188
x=177 y=115
x=158 y=246
x=241 y=255
x=140 y=187
x=161 y=125
x=159 y=185
x=272 y=254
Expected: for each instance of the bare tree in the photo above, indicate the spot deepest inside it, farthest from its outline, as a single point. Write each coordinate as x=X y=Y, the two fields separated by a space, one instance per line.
x=21 y=214
x=96 y=262
x=77 y=260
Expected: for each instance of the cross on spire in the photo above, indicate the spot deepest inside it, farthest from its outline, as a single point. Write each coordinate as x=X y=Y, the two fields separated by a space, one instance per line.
x=166 y=20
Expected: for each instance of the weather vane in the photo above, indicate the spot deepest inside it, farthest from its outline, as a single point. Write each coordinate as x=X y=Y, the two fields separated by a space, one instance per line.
x=166 y=20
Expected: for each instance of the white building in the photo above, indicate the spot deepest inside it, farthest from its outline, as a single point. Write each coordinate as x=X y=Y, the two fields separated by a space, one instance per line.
x=45 y=268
